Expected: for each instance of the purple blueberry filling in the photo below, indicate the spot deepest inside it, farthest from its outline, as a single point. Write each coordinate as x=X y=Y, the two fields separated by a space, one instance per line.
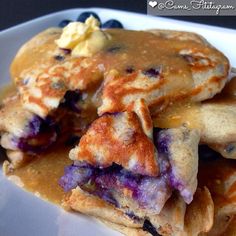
x=163 y=141
x=132 y=216
x=108 y=183
x=34 y=126
x=75 y=175
x=115 y=183
x=40 y=134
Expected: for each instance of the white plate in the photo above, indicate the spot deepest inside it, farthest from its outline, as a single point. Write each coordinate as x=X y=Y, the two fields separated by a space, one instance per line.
x=23 y=214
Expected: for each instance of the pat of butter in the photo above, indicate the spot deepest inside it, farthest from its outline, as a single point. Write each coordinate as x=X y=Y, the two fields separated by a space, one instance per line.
x=93 y=44
x=83 y=39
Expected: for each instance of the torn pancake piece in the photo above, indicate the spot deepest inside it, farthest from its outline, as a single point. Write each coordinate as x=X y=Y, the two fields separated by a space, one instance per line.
x=23 y=132
x=93 y=205
x=118 y=163
x=118 y=138
x=219 y=126
x=175 y=218
x=199 y=215
x=188 y=68
x=219 y=175
x=180 y=147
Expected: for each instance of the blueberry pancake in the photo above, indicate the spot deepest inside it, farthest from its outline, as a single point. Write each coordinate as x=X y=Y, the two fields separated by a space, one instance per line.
x=22 y=132
x=107 y=87
x=125 y=67
x=214 y=118
x=219 y=130
x=25 y=134
x=108 y=168
x=117 y=143
x=219 y=175
x=42 y=85
x=218 y=114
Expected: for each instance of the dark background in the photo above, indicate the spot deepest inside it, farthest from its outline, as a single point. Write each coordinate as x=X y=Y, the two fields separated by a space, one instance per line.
x=13 y=12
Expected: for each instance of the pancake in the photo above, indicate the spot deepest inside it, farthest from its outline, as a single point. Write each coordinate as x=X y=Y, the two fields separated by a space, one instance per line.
x=175 y=218
x=125 y=76
x=117 y=162
x=219 y=120
x=25 y=135
x=37 y=53
x=115 y=139
x=219 y=130
x=201 y=69
x=214 y=118
x=22 y=132
x=219 y=175
x=125 y=171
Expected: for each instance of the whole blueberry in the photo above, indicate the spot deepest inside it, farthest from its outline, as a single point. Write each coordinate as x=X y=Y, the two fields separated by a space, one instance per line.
x=83 y=16
x=64 y=23
x=152 y=72
x=147 y=226
x=112 y=24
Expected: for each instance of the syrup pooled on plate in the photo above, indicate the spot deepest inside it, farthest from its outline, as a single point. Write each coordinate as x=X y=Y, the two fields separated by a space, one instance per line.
x=41 y=175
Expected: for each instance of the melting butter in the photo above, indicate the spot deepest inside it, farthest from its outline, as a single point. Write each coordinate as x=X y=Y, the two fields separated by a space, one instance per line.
x=83 y=39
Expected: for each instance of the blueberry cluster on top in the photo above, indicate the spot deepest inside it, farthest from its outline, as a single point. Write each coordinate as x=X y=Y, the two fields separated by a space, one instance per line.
x=112 y=23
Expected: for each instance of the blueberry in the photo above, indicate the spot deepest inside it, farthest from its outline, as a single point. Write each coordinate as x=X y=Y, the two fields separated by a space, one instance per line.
x=207 y=154
x=64 y=23
x=112 y=24
x=74 y=176
x=114 y=49
x=152 y=72
x=162 y=141
x=147 y=226
x=130 y=70
x=230 y=148
x=59 y=58
x=83 y=16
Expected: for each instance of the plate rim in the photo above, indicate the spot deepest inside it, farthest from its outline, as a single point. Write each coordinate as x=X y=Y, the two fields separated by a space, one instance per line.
x=210 y=27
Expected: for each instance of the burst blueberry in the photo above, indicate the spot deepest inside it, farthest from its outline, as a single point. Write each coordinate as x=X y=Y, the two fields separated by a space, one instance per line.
x=152 y=72
x=75 y=175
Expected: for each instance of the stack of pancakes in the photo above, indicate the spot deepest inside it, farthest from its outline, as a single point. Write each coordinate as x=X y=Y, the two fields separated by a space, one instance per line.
x=113 y=102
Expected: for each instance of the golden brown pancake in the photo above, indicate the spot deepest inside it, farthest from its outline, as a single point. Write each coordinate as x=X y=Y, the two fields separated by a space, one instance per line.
x=129 y=70
x=136 y=71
